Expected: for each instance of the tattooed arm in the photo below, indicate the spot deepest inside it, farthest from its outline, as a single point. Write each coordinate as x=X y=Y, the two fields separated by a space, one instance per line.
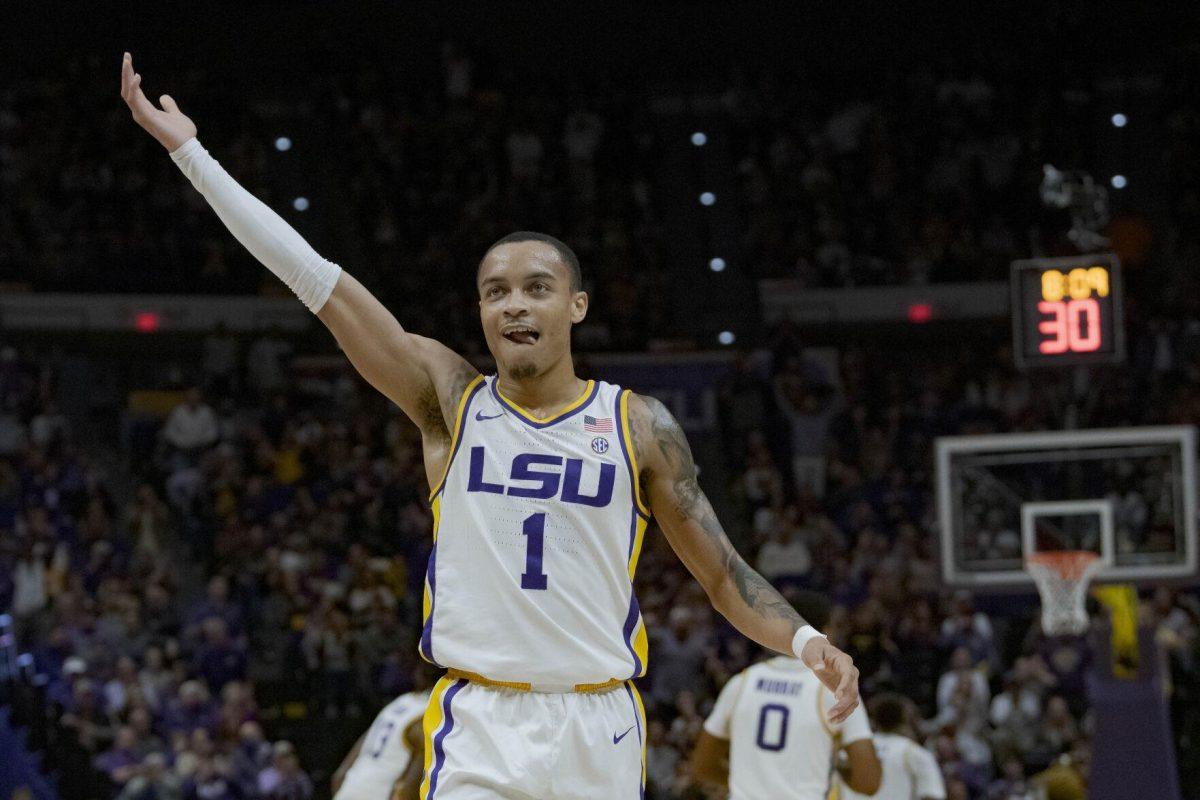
x=422 y=376
x=667 y=477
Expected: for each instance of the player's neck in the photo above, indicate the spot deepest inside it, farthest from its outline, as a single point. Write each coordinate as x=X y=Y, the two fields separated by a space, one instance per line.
x=544 y=394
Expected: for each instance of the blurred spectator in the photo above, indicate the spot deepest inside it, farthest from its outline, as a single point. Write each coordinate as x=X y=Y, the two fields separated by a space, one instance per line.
x=969 y=629
x=211 y=781
x=147 y=521
x=1058 y=730
x=964 y=681
x=681 y=649
x=191 y=425
x=121 y=761
x=283 y=779
x=808 y=410
x=190 y=709
x=152 y=782
x=785 y=559
x=219 y=659
x=1012 y=783
x=216 y=604
x=251 y=756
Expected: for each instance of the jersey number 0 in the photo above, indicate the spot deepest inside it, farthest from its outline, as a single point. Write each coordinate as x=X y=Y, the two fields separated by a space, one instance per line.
x=768 y=739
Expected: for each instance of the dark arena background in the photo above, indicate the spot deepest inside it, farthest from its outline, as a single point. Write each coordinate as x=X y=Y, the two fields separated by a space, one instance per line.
x=921 y=285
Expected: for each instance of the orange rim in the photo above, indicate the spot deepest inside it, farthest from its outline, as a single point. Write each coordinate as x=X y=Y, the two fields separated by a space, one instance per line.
x=1069 y=564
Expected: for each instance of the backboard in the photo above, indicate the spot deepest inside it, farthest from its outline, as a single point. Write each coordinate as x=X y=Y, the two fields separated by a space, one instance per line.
x=1128 y=494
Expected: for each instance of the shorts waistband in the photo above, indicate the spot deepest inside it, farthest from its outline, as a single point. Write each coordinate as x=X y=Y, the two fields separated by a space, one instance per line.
x=528 y=686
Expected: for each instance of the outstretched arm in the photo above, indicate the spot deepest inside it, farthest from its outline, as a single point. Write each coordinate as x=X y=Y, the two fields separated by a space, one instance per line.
x=667 y=475
x=420 y=375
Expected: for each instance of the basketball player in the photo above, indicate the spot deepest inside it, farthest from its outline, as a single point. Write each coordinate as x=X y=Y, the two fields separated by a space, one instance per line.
x=387 y=760
x=542 y=486
x=769 y=734
x=910 y=772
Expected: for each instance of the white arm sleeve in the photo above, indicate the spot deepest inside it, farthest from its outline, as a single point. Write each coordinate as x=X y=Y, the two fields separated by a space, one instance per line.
x=260 y=230
x=718 y=722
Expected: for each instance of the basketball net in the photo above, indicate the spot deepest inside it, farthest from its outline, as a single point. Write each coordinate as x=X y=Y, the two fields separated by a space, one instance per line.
x=1062 y=578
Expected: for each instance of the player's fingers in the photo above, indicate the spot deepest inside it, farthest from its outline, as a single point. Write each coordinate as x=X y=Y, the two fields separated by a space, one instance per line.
x=129 y=84
x=846 y=693
x=848 y=683
x=126 y=75
x=168 y=104
x=137 y=98
x=840 y=712
x=847 y=687
x=837 y=712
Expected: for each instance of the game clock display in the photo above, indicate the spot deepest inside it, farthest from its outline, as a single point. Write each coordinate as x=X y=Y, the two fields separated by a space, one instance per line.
x=1067 y=311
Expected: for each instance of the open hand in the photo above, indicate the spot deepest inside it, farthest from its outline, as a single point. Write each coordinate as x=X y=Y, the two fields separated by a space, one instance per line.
x=836 y=670
x=168 y=125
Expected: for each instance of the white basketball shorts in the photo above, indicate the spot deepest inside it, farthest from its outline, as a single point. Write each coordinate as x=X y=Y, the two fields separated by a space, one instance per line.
x=483 y=743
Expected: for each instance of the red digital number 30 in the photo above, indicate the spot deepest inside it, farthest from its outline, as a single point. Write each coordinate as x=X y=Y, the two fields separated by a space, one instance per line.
x=1073 y=326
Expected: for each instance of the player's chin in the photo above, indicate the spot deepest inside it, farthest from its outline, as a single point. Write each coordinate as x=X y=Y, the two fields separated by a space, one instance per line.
x=520 y=365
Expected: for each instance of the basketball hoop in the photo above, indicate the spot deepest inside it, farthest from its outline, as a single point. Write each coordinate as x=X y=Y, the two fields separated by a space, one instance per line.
x=1062 y=578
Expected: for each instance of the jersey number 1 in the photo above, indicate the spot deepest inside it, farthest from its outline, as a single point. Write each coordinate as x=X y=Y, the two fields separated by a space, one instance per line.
x=534 y=530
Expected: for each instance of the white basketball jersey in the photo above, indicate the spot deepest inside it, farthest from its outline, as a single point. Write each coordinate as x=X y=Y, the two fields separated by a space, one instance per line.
x=384 y=755
x=910 y=772
x=781 y=744
x=537 y=530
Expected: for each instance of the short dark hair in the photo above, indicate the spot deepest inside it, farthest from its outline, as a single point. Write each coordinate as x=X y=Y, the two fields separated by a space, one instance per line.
x=565 y=253
x=887 y=712
x=813 y=606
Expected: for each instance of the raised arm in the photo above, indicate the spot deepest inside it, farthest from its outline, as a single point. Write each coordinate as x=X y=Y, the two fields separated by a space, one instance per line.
x=420 y=375
x=667 y=476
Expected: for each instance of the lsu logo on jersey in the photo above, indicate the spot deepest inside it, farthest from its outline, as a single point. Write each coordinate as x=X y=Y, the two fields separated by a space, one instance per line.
x=542 y=476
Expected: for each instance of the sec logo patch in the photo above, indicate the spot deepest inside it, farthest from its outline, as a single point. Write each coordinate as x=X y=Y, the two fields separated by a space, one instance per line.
x=600 y=445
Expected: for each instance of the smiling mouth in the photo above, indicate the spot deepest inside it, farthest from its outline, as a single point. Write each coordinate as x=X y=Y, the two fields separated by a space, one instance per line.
x=522 y=335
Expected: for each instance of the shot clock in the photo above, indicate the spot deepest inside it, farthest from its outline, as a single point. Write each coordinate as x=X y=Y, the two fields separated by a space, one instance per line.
x=1067 y=311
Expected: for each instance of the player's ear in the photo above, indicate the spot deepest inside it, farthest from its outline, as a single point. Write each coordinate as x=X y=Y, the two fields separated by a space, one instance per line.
x=579 y=307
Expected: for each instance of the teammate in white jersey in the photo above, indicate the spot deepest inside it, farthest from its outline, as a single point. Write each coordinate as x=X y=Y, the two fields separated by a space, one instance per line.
x=386 y=761
x=542 y=488
x=769 y=734
x=910 y=772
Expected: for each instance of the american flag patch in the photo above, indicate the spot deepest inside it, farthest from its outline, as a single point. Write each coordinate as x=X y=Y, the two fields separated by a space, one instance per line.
x=597 y=424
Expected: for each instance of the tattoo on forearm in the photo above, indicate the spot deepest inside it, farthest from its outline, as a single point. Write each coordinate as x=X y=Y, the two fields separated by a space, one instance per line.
x=761 y=595
x=658 y=429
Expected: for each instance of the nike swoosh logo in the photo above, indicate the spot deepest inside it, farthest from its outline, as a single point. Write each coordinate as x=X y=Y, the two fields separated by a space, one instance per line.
x=480 y=417
x=617 y=739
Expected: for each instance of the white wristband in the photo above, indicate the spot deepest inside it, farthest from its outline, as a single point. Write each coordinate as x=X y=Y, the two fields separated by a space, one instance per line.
x=802 y=637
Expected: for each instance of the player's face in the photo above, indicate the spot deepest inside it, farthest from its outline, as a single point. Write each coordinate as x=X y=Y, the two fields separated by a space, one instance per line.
x=527 y=307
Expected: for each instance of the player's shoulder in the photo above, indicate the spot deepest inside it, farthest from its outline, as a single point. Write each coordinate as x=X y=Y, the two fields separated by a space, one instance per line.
x=646 y=409
x=653 y=427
